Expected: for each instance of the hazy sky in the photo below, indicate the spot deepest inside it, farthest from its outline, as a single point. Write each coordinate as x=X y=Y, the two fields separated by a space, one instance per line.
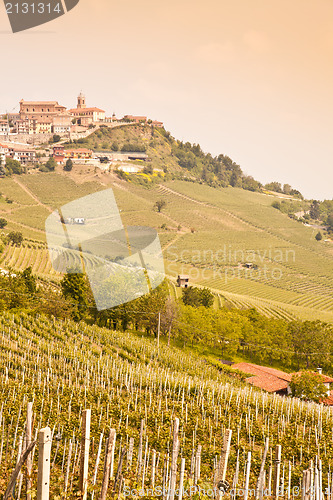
x=249 y=78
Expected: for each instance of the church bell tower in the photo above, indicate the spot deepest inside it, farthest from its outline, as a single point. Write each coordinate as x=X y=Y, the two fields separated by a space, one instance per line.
x=81 y=101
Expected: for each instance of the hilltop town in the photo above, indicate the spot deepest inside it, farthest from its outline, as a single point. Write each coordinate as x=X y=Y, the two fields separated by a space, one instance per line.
x=40 y=122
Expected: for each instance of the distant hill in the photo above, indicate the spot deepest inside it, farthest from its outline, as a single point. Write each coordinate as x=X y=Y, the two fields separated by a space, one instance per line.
x=183 y=160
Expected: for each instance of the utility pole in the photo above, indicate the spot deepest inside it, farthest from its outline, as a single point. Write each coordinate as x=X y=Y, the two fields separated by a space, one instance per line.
x=158 y=333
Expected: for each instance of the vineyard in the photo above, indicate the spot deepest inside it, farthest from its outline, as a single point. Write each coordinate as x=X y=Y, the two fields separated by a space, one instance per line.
x=206 y=233
x=172 y=415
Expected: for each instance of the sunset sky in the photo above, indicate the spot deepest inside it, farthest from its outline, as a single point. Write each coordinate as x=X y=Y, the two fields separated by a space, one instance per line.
x=252 y=79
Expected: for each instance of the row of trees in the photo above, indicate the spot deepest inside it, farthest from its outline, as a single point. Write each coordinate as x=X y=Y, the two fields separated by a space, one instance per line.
x=220 y=170
x=190 y=320
x=193 y=320
x=277 y=187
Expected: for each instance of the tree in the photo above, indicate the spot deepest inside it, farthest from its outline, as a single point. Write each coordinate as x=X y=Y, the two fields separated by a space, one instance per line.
x=15 y=237
x=308 y=385
x=13 y=166
x=29 y=280
x=197 y=297
x=235 y=179
x=311 y=341
x=329 y=222
x=51 y=164
x=319 y=236
x=3 y=223
x=314 y=210
x=56 y=138
x=207 y=298
x=169 y=316
x=191 y=296
x=159 y=205
x=75 y=287
x=274 y=186
x=287 y=188
x=68 y=166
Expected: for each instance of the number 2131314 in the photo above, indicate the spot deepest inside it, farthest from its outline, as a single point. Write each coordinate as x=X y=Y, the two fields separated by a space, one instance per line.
x=33 y=8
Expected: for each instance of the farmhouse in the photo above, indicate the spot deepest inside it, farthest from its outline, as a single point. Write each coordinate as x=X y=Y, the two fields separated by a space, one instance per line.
x=272 y=380
x=183 y=280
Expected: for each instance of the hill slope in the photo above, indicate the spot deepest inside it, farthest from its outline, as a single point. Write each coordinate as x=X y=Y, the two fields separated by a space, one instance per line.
x=209 y=233
x=65 y=368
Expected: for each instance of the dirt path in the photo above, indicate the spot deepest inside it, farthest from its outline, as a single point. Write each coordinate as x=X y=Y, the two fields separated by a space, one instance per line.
x=34 y=229
x=31 y=194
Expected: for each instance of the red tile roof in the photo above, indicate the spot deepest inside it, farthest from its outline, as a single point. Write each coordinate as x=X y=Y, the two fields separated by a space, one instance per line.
x=18 y=148
x=82 y=150
x=258 y=370
x=272 y=380
x=81 y=110
x=269 y=383
x=269 y=379
x=39 y=103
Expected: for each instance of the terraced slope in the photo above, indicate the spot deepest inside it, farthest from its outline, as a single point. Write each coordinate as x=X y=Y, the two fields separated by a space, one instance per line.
x=205 y=232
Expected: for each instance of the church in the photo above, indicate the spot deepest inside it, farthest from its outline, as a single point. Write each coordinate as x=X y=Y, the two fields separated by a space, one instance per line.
x=86 y=116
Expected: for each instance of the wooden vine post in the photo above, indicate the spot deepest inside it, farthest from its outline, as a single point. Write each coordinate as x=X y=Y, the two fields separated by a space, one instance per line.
x=247 y=476
x=277 y=471
x=158 y=333
x=44 y=454
x=260 y=482
x=107 y=463
x=181 y=479
x=28 y=441
x=85 y=444
x=223 y=463
x=306 y=485
x=175 y=448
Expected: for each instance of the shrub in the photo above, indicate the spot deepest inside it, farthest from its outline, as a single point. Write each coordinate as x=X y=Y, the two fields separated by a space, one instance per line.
x=277 y=205
x=51 y=164
x=15 y=237
x=68 y=166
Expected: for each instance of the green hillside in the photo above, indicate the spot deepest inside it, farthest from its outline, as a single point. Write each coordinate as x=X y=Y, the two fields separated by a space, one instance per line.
x=209 y=233
x=137 y=138
x=175 y=158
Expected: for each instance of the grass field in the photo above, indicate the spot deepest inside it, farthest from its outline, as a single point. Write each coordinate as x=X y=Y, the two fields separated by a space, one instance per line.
x=207 y=233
